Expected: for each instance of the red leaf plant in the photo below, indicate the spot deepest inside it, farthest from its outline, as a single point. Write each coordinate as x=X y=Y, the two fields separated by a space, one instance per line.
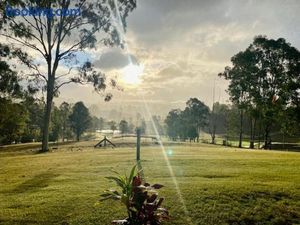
x=141 y=200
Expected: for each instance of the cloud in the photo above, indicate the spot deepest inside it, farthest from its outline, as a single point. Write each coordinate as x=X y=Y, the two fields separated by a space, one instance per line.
x=183 y=45
x=169 y=73
x=114 y=59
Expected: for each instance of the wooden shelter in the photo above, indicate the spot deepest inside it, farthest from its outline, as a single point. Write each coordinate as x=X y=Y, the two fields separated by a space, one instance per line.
x=104 y=142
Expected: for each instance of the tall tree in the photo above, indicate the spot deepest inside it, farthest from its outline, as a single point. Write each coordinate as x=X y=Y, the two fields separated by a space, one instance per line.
x=65 y=111
x=9 y=81
x=112 y=125
x=13 y=117
x=240 y=76
x=265 y=78
x=124 y=126
x=180 y=125
x=58 y=39
x=56 y=127
x=80 y=119
x=173 y=123
x=218 y=120
x=278 y=81
x=35 y=108
x=197 y=113
x=13 y=114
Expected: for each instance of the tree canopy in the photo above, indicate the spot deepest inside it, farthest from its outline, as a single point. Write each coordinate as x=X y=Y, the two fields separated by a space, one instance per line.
x=80 y=119
x=57 y=41
x=265 y=79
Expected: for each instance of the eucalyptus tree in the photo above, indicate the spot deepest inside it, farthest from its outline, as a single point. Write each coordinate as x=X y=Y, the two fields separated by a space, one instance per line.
x=241 y=77
x=278 y=80
x=13 y=115
x=173 y=122
x=48 y=37
x=197 y=115
x=124 y=126
x=9 y=81
x=218 y=120
x=80 y=119
x=265 y=79
x=65 y=111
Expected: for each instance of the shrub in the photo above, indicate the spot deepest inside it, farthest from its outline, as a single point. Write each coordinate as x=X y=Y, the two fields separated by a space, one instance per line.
x=141 y=200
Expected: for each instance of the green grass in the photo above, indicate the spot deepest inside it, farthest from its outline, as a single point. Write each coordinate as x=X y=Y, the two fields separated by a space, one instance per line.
x=219 y=185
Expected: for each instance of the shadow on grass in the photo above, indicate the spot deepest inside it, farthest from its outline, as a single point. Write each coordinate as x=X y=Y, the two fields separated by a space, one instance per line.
x=35 y=183
x=264 y=207
x=46 y=214
x=215 y=176
x=18 y=221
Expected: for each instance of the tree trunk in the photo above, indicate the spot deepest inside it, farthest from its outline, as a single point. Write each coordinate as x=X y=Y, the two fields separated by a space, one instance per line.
x=213 y=136
x=50 y=88
x=63 y=134
x=252 y=135
x=283 y=140
x=78 y=135
x=47 y=114
x=241 y=130
x=259 y=132
x=267 y=143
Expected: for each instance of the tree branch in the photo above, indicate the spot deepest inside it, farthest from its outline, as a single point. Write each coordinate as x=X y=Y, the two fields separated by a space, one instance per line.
x=41 y=32
x=23 y=42
x=66 y=74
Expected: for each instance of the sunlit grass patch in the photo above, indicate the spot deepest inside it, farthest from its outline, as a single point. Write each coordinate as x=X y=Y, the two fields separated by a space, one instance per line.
x=219 y=185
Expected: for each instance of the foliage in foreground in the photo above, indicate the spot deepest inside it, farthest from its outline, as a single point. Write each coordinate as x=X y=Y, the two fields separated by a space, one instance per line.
x=141 y=200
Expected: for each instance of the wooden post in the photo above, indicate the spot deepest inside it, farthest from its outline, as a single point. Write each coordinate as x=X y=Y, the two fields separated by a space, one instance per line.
x=104 y=141
x=138 y=143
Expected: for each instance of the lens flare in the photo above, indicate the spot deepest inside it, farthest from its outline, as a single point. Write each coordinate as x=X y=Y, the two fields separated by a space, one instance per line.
x=170 y=152
x=117 y=22
x=166 y=158
x=131 y=74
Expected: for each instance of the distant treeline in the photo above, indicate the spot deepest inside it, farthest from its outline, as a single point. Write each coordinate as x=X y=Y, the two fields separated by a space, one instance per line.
x=222 y=122
x=22 y=121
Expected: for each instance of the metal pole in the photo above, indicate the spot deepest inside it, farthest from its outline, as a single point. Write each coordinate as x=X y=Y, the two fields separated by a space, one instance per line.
x=138 y=143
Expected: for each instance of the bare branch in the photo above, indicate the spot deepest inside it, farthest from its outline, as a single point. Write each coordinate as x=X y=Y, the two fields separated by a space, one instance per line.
x=72 y=48
x=23 y=42
x=68 y=82
x=66 y=74
x=27 y=32
x=35 y=75
x=32 y=66
x=63 y=83
x=71 y=22
x=41 y=31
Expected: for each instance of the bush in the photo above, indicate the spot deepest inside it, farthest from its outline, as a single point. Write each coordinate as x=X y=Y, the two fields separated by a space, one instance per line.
x=141 y=200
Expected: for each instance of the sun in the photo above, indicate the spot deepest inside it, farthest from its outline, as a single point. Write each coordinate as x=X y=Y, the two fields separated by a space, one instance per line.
x=131 y=74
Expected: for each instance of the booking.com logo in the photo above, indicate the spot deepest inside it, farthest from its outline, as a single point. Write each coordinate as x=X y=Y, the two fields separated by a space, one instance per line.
x=38 y=11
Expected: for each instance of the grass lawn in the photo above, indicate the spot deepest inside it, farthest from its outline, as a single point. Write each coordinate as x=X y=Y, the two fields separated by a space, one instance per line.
x=219 y=185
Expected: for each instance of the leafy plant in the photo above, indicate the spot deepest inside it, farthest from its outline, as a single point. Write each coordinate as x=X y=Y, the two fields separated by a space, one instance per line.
x=141 y=200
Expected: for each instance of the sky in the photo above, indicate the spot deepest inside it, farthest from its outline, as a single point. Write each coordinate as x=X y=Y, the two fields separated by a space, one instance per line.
x=175 y=50
x=179 y=47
